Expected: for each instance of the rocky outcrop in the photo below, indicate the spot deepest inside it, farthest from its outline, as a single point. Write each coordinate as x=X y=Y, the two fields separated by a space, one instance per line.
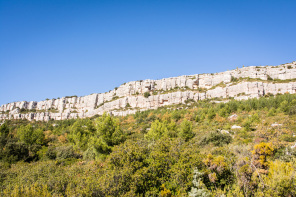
x=243 y=83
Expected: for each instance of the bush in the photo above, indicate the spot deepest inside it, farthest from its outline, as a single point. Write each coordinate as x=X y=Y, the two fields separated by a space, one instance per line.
x=284 y=106
x=211 y=114
x=51 y=152
x=108 y=129
x=4 y=130
x=34 y=149
x=29 y=135
x=157 y=130
x=288 y=138
x=233 y=79
x=15 y=151
x=146 y=94
x=216 y=138
x=272 y=112
x=197 y=118
x=292 y=110
x=269 y=78
x=186 y=130
x=65 y=152
x=176 y=115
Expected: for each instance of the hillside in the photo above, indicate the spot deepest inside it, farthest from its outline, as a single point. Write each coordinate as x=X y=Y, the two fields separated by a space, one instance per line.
x=199 y=148
x=225 y=134
x=241 y=83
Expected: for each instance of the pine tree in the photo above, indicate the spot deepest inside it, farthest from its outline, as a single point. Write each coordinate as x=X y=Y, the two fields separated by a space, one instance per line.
x=186 y=130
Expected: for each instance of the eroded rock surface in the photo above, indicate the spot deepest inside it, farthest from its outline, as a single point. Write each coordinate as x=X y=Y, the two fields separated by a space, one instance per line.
x=243 y=83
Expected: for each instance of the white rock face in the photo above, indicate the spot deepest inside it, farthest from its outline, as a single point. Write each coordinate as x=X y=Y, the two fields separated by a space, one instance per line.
x=224 y=132
x=276 y=125
x=129 y=97
x=232 y=117
x=236 y=127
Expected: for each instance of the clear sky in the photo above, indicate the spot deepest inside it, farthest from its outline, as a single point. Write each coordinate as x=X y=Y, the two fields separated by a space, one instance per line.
x=56 y=48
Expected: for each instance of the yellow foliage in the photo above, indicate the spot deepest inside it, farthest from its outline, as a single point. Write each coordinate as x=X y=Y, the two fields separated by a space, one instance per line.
x=63 y=138
x=208 y=160
x=47 y=134
x=279 y=169
x=220 y=118
x=166 y=117
x=189 y=116
x=261 y=152
x=165 y=192
x=213 y=177
x=235 y=192
x=280 y=180
x=150 y=114
x=215 y=163
x=130 y=120
x=34 y=190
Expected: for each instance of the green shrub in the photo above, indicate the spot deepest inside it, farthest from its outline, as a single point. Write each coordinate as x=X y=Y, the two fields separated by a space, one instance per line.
x=146 y=94
x=272 y=112
x=4 y=129
x=51 y=152
x=186 y=130
x=197 y=118
x=233 y=79
x=157 y=130
x=65 y=152
x=269 y=78
x=29 y=135
x=15 y=151
x=292 y=110
x=216 y=138
x=288 y=138
x=211 y=114
x=176 y=115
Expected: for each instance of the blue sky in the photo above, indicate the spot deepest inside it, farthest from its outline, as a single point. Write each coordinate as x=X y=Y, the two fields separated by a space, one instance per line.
x=57 y=48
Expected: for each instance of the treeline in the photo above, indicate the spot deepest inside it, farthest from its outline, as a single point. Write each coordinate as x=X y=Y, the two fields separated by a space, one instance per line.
x=189 y=149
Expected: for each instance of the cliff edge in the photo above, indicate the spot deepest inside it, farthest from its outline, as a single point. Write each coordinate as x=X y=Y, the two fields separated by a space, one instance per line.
x=241 y=83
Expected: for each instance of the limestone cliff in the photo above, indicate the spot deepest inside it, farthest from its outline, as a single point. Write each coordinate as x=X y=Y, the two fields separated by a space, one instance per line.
x=242 y=83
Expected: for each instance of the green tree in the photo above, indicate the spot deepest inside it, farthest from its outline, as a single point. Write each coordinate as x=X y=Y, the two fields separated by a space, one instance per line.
x=284 y=106
x=281 y=179
x=65 y=152
x=217 y=138
x=186 y=130
x=157 y=130
x=271 y=112
x=108 y=133
x=108 y=128
x=80 y=132
x=211 y=114
x=171 y=130
x=14 y=151
x=4 y=129
x=29 y=135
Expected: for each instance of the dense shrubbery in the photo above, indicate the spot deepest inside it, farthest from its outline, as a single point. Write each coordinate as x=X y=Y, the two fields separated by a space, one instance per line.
x=181 y=150
x=216 y=138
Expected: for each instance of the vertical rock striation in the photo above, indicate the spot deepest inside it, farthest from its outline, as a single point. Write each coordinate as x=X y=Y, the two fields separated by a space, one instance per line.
x=243 y=83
